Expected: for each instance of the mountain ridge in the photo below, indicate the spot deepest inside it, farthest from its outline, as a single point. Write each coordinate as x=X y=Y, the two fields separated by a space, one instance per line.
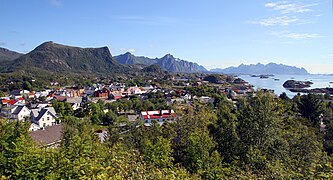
x=270 y=68
x=55 y=57
x=8 y=55
x=168 y=62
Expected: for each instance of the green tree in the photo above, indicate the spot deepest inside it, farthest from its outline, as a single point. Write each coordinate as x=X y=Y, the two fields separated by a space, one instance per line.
x=110 y=118
x=97 y=113
x=284 y=96
x=27 y=86
x=198 y=152
x=2 y=94
x=311 y=107
x=259 y=132
x=225 y=130
x=159 y=152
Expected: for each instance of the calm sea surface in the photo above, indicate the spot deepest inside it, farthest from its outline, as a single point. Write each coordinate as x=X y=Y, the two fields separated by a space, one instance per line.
x=319 y=81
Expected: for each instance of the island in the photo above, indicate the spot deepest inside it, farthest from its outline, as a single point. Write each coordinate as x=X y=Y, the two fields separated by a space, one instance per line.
x=292 y=84
x=316 y=90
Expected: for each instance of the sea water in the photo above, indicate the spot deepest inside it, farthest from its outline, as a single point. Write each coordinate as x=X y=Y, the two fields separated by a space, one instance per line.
x=275 y=82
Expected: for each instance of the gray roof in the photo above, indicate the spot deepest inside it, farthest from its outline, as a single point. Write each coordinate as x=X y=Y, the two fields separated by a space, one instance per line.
x=51 y=109
x=17 y=110
x=51 y=134
x=39 y=114
x=35 y=112
x=44 y=111
x=132 y=117
x=15 y=92
x=74 y=100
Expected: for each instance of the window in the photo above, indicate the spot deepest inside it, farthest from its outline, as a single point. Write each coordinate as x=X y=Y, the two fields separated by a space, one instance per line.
x=48 y=118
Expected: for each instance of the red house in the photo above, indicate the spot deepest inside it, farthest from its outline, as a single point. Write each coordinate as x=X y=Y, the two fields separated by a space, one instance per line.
x=102 y=93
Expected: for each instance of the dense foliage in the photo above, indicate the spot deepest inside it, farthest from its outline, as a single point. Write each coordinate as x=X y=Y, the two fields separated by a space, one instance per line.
x=258 y=137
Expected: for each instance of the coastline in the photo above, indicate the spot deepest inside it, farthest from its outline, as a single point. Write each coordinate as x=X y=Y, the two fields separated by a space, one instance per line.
x=320 y=81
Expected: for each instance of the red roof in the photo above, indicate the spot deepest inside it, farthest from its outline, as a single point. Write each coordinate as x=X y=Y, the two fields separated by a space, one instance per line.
x=11 y=102
x=158 y=116
x=5 y=101
x=20 y=99
x=61 y=98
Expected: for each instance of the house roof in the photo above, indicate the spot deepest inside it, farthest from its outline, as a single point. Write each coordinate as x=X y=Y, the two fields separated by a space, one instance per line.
x=12 y=102
x=51 y=109
x=20 y=99
x=116 y=94
x=5 y=101
x=74 y=100
x=35 y=112
x=61 y=98
x=18 y=109
x=46 y=110
x=158 y=114
x=15 y=92
x=51 y=134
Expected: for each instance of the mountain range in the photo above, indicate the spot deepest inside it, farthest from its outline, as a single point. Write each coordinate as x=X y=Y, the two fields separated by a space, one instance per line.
x=52 y=57
x=167 y=63
x=259 y=68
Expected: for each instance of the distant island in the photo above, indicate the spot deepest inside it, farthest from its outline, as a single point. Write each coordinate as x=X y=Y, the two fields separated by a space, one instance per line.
x=271 y=68
x=290 y=84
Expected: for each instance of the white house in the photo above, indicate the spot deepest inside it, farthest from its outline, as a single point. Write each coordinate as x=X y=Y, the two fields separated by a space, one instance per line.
x=15 y=94
x=75 y=102
x=44 y=117
x=89 y=91
x=136 y=90
x=20 y=113
x=17 y=112
x=159 y=115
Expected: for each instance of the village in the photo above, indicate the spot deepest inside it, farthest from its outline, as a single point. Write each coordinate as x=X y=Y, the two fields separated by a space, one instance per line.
x=40 y=108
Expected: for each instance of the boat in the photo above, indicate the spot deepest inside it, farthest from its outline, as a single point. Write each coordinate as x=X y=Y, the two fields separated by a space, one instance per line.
x=263 y=76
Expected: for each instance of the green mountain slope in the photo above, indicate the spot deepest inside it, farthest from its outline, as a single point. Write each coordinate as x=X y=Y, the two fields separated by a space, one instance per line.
x=55 y=57
x=8 y=55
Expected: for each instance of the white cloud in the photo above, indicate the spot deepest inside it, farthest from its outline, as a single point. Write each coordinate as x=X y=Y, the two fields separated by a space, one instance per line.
x=56 y=3
x=288 y=13
x=278 y=21
x=132 y=50
x=303 y=36
x=297 y=36
x=287 y=7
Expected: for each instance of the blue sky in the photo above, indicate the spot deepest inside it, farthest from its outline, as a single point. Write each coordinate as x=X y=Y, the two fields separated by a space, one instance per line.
x=213 y=33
